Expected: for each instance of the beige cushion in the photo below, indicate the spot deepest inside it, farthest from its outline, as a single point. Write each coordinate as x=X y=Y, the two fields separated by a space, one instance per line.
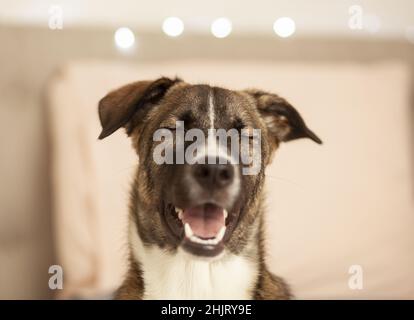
x=347 y=202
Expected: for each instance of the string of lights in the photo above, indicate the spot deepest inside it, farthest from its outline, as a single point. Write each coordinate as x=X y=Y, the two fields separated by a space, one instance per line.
x=220 y=28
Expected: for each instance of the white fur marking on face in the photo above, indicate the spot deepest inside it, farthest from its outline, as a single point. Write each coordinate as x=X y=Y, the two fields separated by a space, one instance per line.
x=211 y=109
x=184 y=276
x=213 y=147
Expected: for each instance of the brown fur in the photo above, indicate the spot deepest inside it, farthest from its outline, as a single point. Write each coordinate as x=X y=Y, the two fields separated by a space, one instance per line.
x=142 y=107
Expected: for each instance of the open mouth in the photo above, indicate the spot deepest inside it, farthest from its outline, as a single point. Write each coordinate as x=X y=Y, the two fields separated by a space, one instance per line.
x=203 y=228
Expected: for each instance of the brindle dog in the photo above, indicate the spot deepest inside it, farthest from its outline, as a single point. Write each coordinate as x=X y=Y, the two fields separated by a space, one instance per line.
x=196 y=230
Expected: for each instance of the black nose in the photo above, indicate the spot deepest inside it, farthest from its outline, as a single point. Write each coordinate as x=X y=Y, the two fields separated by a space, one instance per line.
x=213 y=175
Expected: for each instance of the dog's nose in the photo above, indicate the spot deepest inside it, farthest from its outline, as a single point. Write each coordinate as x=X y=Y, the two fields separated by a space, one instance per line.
x=213 y=175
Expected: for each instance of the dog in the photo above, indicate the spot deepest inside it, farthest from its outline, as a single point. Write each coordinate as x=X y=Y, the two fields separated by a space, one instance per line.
x=196 y=230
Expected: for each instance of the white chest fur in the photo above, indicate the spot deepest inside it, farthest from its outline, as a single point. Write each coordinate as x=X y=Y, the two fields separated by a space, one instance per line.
x=182 y=276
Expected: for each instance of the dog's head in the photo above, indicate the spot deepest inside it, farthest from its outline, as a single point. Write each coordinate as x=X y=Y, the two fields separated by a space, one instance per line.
x=209 y=204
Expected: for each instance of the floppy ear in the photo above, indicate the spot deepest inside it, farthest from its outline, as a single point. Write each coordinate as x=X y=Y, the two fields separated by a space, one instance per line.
x=118 y=108
x=282 y=120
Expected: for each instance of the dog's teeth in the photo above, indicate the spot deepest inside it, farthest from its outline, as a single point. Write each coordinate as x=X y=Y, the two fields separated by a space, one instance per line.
x=196 y=239
x=220 y=234
x=213 y=241
x=188 y=231
x=225 y=214
x=179 y=213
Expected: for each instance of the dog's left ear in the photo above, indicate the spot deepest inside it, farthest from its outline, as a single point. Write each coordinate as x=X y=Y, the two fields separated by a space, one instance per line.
x=282 y=120
x=119 y=107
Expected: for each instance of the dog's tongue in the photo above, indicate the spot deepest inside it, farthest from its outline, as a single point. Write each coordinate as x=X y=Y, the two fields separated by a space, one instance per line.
x=205 y=220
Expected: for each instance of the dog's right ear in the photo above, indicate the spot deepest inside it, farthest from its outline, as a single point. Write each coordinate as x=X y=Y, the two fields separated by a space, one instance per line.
x=119 y=107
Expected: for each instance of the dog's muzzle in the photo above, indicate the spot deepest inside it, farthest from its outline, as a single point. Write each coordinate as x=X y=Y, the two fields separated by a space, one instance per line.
x=204 y=215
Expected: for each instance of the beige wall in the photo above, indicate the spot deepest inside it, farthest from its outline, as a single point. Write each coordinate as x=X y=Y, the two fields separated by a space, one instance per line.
x=28 y=57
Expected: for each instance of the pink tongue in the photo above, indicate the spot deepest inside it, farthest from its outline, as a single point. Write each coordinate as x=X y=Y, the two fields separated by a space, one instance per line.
x=205 y=220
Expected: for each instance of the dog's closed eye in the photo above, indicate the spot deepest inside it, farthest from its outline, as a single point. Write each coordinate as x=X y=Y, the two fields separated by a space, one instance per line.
x=245 y=130
x=169 y=128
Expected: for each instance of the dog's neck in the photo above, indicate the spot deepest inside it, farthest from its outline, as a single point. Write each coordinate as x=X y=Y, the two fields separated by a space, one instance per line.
x=179 y=275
